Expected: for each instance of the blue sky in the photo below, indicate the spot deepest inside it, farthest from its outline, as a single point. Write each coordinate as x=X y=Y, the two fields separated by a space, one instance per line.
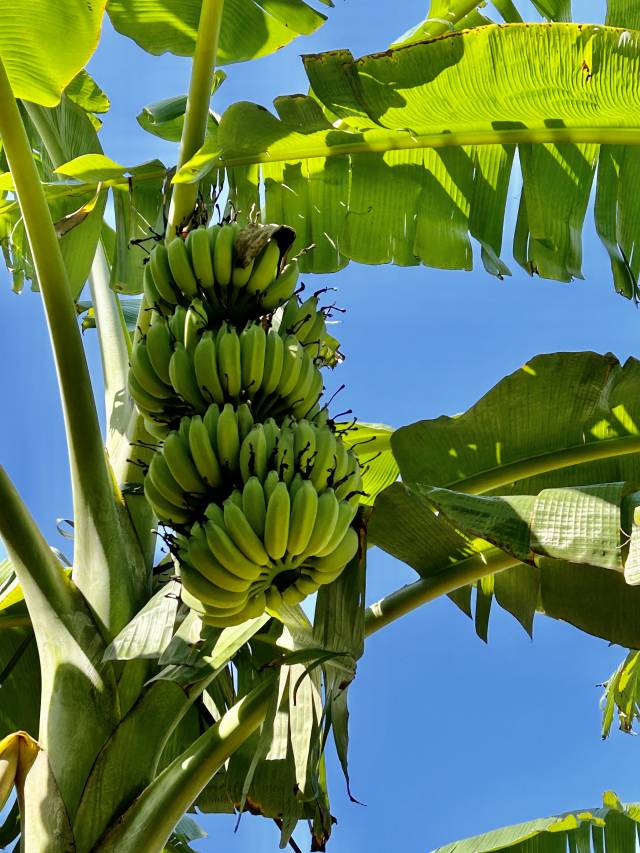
x=449 y=736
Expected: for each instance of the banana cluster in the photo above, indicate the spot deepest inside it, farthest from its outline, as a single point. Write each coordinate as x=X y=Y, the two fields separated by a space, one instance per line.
x=260 y=491
x=183 y=365
x=206 y=263
x=199 y=461
x=308 y=322
x=269 y=542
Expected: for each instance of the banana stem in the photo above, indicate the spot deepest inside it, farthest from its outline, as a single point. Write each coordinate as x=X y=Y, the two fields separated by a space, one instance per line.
x=147 y=825
x=103 y=568
x=409 y=597
x=196 y=116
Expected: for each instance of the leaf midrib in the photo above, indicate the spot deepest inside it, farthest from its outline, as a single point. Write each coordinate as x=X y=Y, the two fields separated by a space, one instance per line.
x=494 y=478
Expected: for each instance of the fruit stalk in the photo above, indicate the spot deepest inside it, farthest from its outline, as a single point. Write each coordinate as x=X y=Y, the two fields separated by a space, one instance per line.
x=184 y=196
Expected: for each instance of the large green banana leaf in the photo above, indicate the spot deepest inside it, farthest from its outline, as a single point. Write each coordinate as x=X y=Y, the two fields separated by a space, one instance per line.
x=405 y=156
x=561 y=421
x=609 y=829
x=43 y=47
x=250 y=28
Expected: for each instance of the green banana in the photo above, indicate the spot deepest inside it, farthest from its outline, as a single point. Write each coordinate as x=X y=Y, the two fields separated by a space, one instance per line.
x=273 y=599
x=155 y=429
x=181 y=465
x=183 y=378
x=195 y=322
x=284 y=319
x=253 y=343
x=177 y=323
x=243 y=536
x=147 y=403
x=291 y=366
x=254 y=505
x=206 y=367
x=145 y=374
x=304 y=407
x=302 y=386
x=241 y=275
x=253 y=454
x=165 y=483
x=210 y=420
x=295 y=485
x=285 y=458
x=346 y=514
x=223 y=255
x=200 y=251
x=271 y=435
x=161 y=272
x=348 y=491
x=322 y=578
x=229 y=555
x=276 y=525
x=337 y=559
x=228 y=438
x=306 y=316
x=160 y=348
x=217 y=602
x=166 y=511
x=343 y=461
x=214 y=513
x=229 y=360
x=209 y=592
x=304 y=445
x=203 y=454
x=200 y=556
x=245 y=420
x=306 y=586
x=292 y=596
x=273 y=359
x=325 y=523
x=325 y=460
x=282 y=288
x=254 y=608
x=181 y=269
x=315 y=333
x=265 y=268
x=270 y=483
x=303 y=516
x=151 y=293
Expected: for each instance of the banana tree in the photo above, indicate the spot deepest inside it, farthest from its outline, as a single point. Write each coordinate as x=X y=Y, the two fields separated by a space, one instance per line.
x=530 y=497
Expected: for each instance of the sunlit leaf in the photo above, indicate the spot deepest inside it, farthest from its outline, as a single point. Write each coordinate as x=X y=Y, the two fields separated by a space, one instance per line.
x=405 y=156
x=250 y=28
x=564 y=833
x=43 y=50
x=372 y=445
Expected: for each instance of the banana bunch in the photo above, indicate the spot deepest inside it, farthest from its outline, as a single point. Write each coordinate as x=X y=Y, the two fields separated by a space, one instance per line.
x=207 y=265
x=206 y=455
x=309 y=325
x=260 y=491
x=299 y=451
x=197 y=462
x=268 y=543
x=181 y=366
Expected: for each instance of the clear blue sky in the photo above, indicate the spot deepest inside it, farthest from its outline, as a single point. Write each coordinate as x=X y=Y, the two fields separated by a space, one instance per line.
x=449 y=736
